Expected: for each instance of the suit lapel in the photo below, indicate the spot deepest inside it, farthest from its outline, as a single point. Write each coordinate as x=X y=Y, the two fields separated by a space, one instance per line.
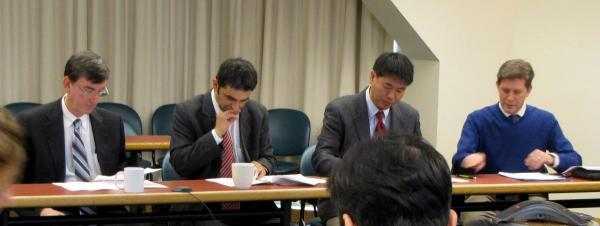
x=244 y=132
x=54 y=130
x=208 y=114
x=361 y=116
x=100 y=137
x=396 y=122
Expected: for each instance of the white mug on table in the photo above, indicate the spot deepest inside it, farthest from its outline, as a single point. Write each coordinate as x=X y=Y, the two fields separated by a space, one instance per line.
x=243 y=174
x=134 y=179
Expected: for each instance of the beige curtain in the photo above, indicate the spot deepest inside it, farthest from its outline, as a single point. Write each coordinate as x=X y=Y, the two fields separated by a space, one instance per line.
x=162 y=51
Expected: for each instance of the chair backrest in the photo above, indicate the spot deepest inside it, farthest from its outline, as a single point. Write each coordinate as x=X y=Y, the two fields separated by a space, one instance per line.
x=290 y=131
x=131 y=120
x=162 y=120
x=306 y=166
x=17 y=107
x=168 y=173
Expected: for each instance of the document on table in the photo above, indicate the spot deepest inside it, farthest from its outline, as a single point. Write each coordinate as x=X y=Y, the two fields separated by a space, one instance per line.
x=458 y=180
x=276 y=179
x=101 y=185
x=121 y=176
x=536 y=176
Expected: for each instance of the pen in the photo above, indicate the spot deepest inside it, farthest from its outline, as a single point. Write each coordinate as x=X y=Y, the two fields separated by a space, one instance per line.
x=466 y=176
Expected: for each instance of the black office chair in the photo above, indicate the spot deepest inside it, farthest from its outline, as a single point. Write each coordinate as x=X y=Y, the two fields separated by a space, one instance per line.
x=132 y=124
x=18 y=107
x=162 y=123
x=290 y=134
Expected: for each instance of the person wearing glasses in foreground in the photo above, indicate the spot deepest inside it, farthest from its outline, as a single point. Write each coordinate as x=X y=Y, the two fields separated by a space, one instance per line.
x=70 y=139
x=401 y=181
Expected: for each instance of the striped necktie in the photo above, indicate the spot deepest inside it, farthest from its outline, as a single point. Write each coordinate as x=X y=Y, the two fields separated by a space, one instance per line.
x=80 y=163
x=225 y=170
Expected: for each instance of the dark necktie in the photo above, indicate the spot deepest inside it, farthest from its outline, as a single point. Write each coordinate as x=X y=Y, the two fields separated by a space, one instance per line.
x=225 y=171
x=514 y=118
x=380 y=127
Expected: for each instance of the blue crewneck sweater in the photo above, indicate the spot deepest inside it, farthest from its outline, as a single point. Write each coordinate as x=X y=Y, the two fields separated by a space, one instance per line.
x=507 y=144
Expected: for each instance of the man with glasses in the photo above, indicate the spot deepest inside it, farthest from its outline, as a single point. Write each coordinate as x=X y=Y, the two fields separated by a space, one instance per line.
x=373 y=113
x=70 y=139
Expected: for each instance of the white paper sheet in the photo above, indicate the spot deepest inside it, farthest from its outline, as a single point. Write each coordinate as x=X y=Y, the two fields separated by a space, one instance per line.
x=532 y=176
x=458 y=180
x=101 y=185
x=121 y=176
x=276 y=179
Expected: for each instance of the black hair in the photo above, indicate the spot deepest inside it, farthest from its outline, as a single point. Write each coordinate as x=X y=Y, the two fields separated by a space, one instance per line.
x=395 y=65
x=237 y=73
x=392 y=181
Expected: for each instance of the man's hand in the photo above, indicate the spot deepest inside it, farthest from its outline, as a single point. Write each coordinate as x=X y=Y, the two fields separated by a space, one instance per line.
x=475 y=161
x=224 y=119
x=260 y=169
x=48 y=212
x=537 y=158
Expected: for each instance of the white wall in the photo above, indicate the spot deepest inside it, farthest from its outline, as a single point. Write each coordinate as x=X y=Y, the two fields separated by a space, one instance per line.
x=473 y=38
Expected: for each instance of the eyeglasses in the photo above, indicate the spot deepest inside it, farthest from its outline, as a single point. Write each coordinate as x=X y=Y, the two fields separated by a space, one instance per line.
x=91 y=92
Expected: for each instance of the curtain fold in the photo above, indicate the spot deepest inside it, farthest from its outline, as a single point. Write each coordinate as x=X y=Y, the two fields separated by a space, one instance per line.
x=160 y=51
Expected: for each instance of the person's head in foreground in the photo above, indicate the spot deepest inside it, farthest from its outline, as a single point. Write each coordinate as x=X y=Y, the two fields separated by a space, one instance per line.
x=11 y=154
x=392 y=181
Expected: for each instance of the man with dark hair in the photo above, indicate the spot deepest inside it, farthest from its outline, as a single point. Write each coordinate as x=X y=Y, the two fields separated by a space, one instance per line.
x=70 y=139
x=400 y=181
x=222 y=126
x=372 y=113
x=511 y=136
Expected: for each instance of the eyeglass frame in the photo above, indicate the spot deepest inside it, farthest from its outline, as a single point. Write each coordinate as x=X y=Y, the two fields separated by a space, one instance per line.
x=88 y=91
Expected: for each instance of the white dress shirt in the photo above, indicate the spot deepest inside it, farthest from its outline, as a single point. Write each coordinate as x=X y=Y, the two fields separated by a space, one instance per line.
x=88 y=141
x=372 y=111
x=234 y=131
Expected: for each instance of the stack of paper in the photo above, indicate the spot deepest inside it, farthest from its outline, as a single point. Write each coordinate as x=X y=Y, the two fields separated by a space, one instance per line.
x=532 y=176
x=276 y=179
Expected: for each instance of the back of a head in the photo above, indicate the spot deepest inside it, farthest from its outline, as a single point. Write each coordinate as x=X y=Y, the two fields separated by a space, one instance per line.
x=396 y=65
x=237 y=73
x=392 y=181
x=12 y=155
x=87 y=64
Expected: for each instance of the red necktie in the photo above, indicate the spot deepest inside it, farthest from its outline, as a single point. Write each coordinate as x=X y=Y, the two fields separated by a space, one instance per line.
x=225 y=171
x=380 y=127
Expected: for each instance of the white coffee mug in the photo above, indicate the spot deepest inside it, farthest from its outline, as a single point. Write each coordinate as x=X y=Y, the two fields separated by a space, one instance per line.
x=243 y=174
x=134 y=179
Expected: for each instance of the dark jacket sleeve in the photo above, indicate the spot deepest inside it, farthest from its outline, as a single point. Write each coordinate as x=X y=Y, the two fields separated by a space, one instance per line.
x=191 y=152
x=328 y=150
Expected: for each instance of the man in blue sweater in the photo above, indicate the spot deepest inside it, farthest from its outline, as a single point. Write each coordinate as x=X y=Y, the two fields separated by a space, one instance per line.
x=511 y=136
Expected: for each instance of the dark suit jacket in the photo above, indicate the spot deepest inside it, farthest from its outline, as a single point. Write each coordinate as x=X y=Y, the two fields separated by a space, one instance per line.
x=194 y=152
x=346 y=122
x=45 y=144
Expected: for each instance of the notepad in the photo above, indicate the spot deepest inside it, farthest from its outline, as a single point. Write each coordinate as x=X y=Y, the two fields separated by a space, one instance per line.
x=535 y=176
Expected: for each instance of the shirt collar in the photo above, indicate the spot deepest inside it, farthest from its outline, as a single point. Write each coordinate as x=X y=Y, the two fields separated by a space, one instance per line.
x=372 y=108
x=69 y=117
x=214 y=102
x=520 y=113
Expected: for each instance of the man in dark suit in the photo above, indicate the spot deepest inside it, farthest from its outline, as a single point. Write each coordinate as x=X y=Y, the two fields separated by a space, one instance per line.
x=70 y=139
x=222 y=126
x=374 y=112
